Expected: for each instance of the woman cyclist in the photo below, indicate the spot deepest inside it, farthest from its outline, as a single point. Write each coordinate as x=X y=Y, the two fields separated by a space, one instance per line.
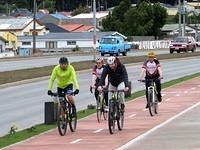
x=96 y=76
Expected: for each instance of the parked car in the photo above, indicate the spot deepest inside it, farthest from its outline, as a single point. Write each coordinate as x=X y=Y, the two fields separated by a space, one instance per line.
x=183 y=44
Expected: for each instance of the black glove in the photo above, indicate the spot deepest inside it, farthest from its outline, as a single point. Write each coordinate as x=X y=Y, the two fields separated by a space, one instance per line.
x=49 y=92
x=91 y=89
x=76 y=91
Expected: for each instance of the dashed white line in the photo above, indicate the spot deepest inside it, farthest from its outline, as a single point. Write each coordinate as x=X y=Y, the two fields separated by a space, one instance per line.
x=99 y=130
x=163 y=94
x=168 y=99
x=193 y=88
x=131 y=116
x=76 y=141
x=185 y=91
x=177 y=94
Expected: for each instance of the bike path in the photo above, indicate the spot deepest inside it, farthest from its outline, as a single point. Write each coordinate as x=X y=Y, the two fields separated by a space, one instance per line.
x=92 y=135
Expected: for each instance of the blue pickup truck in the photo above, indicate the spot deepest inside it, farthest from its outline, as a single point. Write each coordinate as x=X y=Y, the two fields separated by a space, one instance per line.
x=113 y=45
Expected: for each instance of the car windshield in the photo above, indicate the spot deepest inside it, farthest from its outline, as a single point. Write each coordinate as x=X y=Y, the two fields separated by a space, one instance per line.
x=180 y=39
x=108 y=41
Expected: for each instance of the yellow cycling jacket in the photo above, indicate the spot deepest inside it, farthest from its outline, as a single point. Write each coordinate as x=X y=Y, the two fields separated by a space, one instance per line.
x=63 y=77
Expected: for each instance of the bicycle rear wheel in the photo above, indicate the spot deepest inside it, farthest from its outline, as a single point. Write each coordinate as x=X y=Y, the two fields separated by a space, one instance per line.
x=62 y=120
x=150 y=103
x=156 y=104
x=72 y=118
x=120 y=119
x=111 y=118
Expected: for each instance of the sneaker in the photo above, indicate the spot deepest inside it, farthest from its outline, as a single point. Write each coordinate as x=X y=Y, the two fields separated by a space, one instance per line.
x=159 y=98
x=106 y=108
x=147 y=106
x=122 y=107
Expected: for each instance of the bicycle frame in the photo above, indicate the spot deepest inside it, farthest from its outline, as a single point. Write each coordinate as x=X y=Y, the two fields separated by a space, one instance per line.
x=115 y=113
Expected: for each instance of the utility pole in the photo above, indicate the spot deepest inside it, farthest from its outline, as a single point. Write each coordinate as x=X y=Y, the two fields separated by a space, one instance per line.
x=179 y=14
x=94 y=33
x=184 y=12
x=34 y=27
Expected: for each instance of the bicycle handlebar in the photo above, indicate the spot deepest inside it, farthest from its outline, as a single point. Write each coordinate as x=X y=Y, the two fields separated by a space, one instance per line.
x=150 y=79
x=55 y=94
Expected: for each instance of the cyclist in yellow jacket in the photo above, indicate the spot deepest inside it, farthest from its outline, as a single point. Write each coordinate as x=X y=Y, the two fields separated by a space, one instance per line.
x=65 y=75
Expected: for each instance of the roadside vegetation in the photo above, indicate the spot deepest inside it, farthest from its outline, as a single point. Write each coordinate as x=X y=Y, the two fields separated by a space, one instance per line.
x=17 y=136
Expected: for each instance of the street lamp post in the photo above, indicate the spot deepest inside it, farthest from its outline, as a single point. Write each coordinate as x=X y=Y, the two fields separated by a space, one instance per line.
x=34 y=27
x=94 y=33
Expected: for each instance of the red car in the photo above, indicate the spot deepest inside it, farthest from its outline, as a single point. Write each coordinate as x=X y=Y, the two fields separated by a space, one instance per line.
x=184 y=44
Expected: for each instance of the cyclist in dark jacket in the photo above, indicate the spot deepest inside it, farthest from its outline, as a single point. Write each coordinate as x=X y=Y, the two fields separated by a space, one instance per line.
x=118 y=77
x=151 y=69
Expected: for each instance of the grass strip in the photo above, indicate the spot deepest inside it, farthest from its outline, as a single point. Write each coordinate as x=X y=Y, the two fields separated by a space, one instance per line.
x=19 y=75
x=37 y=129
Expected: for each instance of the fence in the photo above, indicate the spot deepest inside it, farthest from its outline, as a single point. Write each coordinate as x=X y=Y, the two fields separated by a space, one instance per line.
x=152 y=44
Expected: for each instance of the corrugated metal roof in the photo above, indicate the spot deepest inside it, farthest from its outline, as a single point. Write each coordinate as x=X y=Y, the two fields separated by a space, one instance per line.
x=59 y=16
x=67 y=36
x=14 y=23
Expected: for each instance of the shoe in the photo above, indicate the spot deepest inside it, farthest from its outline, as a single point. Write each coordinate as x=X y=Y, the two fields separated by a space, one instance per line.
x=122 y=107
x=106 y=108
x=159 y=98
x=147 y=106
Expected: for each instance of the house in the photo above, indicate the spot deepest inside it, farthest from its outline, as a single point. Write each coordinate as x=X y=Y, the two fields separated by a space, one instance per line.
x=173 y=29
x=54 y=18
x=10 y=41
x=63 y=41
x=54 y=28
x=2 y=44
x=77 y=27
x=87 y=19
x=21 y=26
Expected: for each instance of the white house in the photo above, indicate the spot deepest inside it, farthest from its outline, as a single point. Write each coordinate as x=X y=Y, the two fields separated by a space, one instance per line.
x=63 y=41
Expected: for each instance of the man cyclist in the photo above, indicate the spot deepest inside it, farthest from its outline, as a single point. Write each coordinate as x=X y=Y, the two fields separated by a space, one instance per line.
x=151 y=69
x=118 y=77
x=66 y=80
x=96 y=76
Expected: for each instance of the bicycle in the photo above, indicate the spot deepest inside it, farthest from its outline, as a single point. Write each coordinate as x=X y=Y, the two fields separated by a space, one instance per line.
x=66 y=114
x=100 y=108
x=115 y=114
x=152 y=99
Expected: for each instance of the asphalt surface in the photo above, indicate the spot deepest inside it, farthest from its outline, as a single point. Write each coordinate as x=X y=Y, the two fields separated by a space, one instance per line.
x=23 y=104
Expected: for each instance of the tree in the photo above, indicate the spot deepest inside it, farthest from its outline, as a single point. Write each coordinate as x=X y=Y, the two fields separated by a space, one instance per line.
x=80 y=10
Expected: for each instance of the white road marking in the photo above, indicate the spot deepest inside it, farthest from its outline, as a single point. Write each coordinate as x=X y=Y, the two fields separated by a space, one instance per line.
x=163 y=94
x=185 y=91
x=127 y=145
x=131 y=116
x=177 y=94
x=99 y=130
x=76 y=141
x=168 y=99
x=193 y=88
x=145 y=109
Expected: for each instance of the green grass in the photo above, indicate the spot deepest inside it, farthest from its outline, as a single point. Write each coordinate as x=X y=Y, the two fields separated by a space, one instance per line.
x=35 y=130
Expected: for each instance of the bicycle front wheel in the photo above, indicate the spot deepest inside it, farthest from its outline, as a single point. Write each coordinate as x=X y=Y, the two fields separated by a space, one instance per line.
x=72 y=118
x=120 y=119
x=111 y=118
x=62 y=120
x=150 y=103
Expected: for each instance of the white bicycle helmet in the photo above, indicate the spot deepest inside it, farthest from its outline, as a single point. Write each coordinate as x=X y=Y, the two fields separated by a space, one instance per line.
x=111 y=60
x=99 y=59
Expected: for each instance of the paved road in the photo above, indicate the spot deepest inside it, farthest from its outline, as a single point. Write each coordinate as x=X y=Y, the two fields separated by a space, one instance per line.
x=31 y=96
x=24 y=63
x=165 y=131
